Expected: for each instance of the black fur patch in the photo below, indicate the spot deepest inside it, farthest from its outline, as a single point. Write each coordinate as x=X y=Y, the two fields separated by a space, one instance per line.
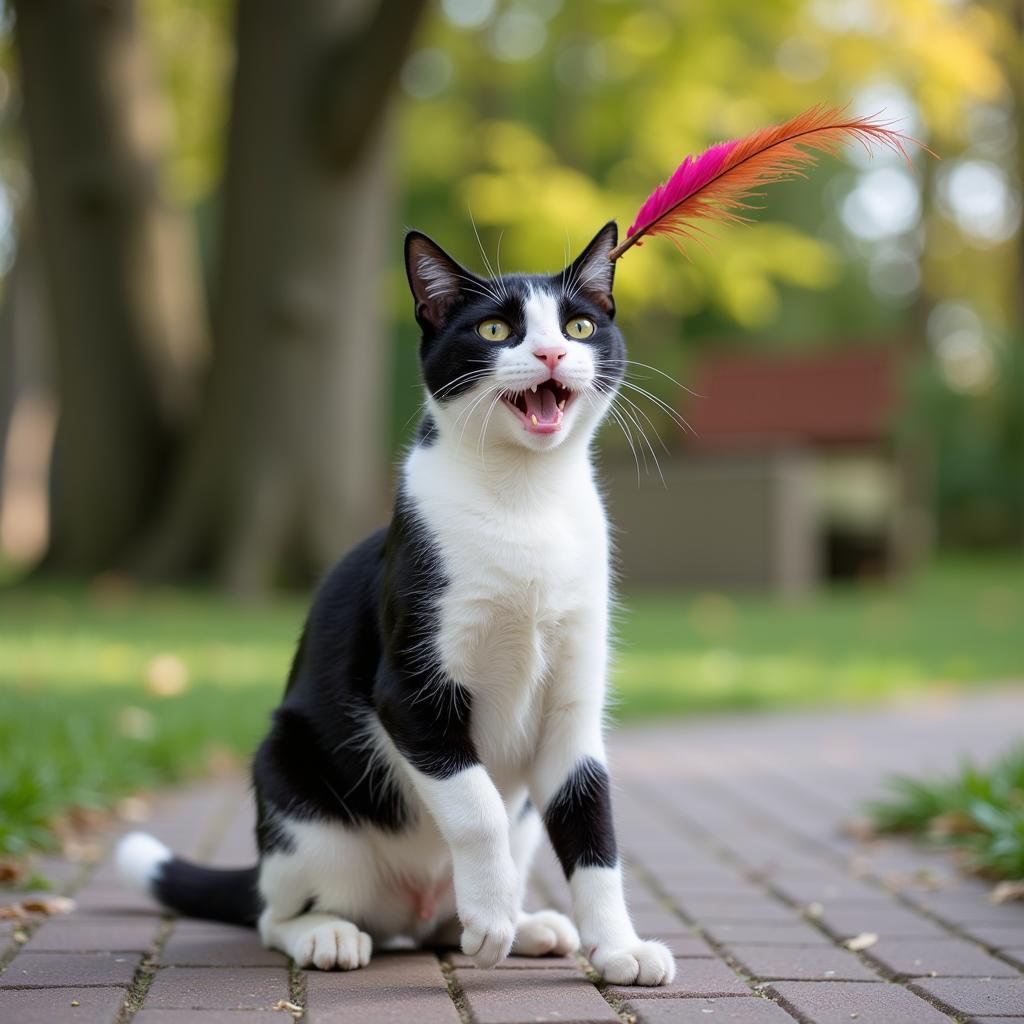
x=213 y=894
x=579 y=819
x=425 y=713
x=315 y=763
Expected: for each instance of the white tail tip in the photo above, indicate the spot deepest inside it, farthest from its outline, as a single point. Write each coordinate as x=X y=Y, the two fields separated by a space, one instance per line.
x=139 y=857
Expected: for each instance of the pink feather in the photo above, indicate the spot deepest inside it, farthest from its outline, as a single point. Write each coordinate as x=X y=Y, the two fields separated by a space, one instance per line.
x=717 y=184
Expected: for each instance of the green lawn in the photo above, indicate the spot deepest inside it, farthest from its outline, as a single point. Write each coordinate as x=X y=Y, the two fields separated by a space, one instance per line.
x=109 y=690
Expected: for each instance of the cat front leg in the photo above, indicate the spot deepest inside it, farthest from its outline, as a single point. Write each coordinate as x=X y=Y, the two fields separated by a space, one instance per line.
x=570 y=783
x=429 y=726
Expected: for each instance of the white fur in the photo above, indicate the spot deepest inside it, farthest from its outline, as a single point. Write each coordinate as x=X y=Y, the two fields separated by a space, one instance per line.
x=139 y=857
x=523 y=626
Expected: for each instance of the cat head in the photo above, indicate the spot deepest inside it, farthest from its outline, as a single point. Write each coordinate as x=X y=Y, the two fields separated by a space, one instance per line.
x=529 y=360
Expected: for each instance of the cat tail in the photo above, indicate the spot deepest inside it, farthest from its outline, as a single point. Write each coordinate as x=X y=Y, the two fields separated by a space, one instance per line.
x=230 y=895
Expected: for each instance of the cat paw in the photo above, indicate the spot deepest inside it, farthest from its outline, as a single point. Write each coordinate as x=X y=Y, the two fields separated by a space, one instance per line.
x=335 y=944
x=487 y=939
x=635 y=963
x=545 y=933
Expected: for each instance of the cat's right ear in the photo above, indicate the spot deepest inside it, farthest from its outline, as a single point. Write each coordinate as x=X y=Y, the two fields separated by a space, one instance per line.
x=435 y=279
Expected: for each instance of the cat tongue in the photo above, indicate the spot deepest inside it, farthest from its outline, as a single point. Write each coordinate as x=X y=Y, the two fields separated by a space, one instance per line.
x=541 y=403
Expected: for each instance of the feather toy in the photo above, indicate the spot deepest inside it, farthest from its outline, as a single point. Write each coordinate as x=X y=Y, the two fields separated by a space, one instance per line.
x=718 y=184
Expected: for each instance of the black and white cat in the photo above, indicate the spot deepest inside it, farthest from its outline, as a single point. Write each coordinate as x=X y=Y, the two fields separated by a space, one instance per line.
x=448 y=691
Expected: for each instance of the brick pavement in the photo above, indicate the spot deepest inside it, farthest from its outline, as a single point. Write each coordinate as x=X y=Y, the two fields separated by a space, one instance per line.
x=731 y=830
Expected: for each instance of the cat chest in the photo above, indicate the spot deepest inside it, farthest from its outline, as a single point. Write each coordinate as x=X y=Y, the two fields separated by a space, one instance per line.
x=507 y=597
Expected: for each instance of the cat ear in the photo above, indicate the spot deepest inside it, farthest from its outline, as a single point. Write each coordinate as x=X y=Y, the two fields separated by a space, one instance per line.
x=435 y=278
x=591 y=272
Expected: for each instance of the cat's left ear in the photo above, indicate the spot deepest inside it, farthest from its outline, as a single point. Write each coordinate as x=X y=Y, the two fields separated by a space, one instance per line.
x=592 y=273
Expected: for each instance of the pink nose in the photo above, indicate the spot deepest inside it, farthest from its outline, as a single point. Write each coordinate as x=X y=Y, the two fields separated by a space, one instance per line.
x=550 y=354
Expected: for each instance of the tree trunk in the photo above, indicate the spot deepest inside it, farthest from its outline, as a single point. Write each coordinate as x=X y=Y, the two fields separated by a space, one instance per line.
x=121 y=277
x=27 y=406
x=286 y=468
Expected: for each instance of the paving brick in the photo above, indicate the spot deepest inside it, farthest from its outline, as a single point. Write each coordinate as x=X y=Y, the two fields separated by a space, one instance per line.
x=694 y=977
x=798 y=934
x=56 y=1005
x=651 y=920
x=209 y=1017
x=968 y=908
x=202 y=944
x=801 y=963
x=526 y=997
x=715 y=909
x=997 y=936
x=91 y=935
x=943 y=957
x=217 y=988
x=983 y=996
x=518 y=963
x=838 y=1002
x=50 y=970
x=687 y=944
x=395 y=988
x=829 y=889
x=115 y=898
x=885 y=921
x=738 y=1010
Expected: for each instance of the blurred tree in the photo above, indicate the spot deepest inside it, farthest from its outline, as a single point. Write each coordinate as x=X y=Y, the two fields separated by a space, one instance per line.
x=286 y=466
x=120 y=271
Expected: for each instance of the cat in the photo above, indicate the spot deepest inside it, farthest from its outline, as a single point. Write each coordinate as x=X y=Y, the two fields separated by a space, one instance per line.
x=446 y=699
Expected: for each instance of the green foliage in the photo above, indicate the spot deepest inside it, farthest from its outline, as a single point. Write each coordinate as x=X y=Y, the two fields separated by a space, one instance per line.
x=978 y=440
x=978 y=811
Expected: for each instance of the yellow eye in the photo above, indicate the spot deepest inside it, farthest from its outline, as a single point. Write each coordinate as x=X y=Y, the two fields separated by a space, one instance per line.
x=493 y=330
x=580 y=327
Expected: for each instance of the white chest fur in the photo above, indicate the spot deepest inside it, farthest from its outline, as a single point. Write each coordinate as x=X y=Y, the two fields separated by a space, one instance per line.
x=523 y=544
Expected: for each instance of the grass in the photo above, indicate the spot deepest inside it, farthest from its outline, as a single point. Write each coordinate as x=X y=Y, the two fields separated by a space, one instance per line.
x=105 y=691
x=979 y=812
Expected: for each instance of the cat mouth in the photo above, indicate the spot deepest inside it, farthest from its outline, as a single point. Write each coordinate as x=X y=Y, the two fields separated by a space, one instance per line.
x=542 y=407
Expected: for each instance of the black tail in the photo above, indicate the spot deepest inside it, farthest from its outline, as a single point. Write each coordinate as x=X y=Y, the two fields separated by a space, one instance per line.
x=230 y=895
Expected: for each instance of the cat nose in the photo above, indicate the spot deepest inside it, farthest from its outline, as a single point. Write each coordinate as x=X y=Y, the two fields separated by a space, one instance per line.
x=550 y=354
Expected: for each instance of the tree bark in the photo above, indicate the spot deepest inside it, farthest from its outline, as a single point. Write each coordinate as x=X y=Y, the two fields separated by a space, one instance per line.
x=121 y=280
x=286 y=468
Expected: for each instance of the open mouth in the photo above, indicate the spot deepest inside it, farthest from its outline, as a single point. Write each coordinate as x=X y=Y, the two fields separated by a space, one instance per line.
x=542 y=407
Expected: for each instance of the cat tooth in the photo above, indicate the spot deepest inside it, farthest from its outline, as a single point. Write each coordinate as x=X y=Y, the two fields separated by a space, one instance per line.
x=533 y=420
x=561 y=404
x=534 y=389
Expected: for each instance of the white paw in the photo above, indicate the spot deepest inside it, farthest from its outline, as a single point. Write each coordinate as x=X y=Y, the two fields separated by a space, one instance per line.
x=487 y=938
x=635 y=963
x=545 y=932
x=335 y=944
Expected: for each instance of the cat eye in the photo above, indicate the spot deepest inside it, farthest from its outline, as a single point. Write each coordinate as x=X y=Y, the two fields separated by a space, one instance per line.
x=493 y=330
x=580 y=327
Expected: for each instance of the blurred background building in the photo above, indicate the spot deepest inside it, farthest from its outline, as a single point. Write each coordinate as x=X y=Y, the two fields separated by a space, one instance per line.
x=207 y=354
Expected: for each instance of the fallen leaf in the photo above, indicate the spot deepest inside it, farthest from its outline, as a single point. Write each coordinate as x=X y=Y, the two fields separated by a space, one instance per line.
x=953 y=823
x=13 y=911
x=860 y=829
x=49 y=905
x=166 y=676
x=283 y=1004
x=10 y=871
x=1006 y=892
x=133 y=809
x=863 y=941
